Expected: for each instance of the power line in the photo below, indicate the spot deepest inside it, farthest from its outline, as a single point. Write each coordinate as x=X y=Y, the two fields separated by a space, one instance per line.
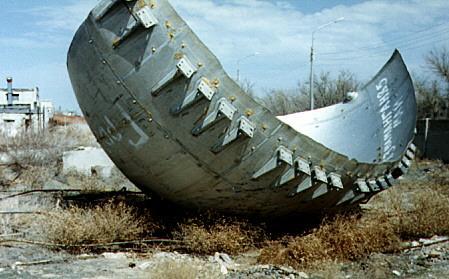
x=406 y=46
x=434 y=30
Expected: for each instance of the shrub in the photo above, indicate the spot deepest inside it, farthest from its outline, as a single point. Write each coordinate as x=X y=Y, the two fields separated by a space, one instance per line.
x=425 y=216
x=227 y=235
x=183 y=269
x=100 y=224
x=342 y=238
x=46 y=147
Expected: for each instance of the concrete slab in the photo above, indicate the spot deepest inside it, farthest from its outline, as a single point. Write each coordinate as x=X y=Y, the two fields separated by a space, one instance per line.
x=88 y=161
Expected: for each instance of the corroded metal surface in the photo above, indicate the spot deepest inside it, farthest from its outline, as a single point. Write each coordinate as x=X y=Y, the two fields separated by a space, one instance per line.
x=177 y=125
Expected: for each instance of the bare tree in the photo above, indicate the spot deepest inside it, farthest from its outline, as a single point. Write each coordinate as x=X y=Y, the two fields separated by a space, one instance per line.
x=247 y=87
x=327 y=91
x=438 y=61
x=282 y=102
x=330 y=91
x=431 y=104
x=432 y=94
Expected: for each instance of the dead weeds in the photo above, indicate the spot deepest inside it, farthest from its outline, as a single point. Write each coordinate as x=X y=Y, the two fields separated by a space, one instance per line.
x=209 y=234
x=424 y=215
x=408 y=211
x=46 y=147
x=341 y=238
x=183 y=269
x=101 y=224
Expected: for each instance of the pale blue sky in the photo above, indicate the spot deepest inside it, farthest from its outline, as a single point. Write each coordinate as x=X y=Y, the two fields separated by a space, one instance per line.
x=35 y=35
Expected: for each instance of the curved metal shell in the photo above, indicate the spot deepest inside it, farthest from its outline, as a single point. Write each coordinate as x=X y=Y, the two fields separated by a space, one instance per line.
x=177 y=125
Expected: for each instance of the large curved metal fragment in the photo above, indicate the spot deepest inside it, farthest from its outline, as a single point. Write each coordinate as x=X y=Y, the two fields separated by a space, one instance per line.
x=371 y=126
x=177 y=125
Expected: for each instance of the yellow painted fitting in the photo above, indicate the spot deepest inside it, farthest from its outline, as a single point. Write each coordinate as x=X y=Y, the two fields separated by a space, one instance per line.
x=232 y=98
x=264 y=126
x=216 y=83
x=249 y=112
x=116 y=42
x=168 y=24
x=140 y=3
x=179 y=55
x=200 y=64
x=171 y=35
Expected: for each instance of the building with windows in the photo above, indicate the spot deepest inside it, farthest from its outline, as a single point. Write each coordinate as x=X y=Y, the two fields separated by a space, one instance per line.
x=21 y=110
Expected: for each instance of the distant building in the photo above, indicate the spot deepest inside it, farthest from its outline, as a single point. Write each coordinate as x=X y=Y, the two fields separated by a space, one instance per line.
x=21 y=110
x=65 y=119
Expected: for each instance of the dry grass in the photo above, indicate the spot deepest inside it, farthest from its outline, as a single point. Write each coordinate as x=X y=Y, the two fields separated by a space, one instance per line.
x=424 y=214
x=87 y=183
x=208 y=235
x=183 y=269
x=106 y=223
x=36 y=176
x=96 y=184
x=342 y=238
x=45 y=148
x=408 y=211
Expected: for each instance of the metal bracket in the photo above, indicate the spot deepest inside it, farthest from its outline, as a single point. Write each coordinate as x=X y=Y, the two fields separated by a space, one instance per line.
x=404 y=165
x=186 y=67
x=372 y=184
x=281 y=156
x=147 y=17
x=130 y=28
x=409 y=154
x=319 y=175
x=300 y=168
x=359 y=197
x=335 y=180
x=183 y=67
x=382 y=183
x=243 y=128
x=412 y=147
x=318 y=181
x=202 y=89
x=144 y=16
x=390 y=179
x=103 y=8
x=223 y=109
x=362 y=186
x=349 y=195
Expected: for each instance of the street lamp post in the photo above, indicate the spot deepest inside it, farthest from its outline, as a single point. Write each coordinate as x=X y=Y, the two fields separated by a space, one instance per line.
x=312 y=101
x=240 y=60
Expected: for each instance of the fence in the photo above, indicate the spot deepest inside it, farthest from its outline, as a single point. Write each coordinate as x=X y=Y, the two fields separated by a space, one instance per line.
x=432 y=139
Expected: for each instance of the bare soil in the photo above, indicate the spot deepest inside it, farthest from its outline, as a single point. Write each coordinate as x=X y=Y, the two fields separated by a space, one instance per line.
x=418 y=259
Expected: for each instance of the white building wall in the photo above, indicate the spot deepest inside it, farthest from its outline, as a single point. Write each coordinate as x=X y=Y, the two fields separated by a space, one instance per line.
x=48 y=111
x=22 y=97
x=13 y=123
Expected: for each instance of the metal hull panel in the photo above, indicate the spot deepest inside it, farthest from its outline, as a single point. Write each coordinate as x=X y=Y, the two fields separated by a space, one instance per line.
x=177 y=125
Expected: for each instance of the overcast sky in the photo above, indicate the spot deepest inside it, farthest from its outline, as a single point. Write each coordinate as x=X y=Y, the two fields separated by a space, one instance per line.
x=35 y=35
